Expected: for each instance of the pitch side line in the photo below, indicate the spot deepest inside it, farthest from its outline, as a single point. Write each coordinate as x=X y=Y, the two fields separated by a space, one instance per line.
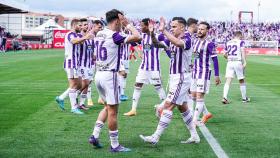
x=216 y=147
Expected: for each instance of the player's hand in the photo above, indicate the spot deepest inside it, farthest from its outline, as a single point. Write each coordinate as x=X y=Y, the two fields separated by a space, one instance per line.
x=123 y=20
x=90 y=35
x=244 y=65
x=151 y=26
x=162 y=24
x=225 y=54
x=217 y=80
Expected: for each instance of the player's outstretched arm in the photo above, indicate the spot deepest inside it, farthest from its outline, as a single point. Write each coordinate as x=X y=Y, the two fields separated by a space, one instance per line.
x=156 y=43
x=176 y=41
x=135 y=35
x=81 y=40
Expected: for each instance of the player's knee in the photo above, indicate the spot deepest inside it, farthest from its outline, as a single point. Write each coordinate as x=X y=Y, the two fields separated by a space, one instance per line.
x=112 y=111
x=199 y=96
x=125 y=75
x=138 y=85
x=157 y=86
x=241 y=81
x=228 y=81
x=182 y=108
x=168 y=106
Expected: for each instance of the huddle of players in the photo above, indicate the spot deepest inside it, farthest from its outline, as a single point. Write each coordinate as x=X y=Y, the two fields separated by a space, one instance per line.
x=79 y=63
x=180 y=45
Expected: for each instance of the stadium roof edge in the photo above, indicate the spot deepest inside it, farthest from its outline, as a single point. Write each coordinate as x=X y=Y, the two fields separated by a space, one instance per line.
x=12 y=7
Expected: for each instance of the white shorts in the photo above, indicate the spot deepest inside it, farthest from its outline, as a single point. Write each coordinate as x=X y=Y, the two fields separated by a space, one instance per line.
x=235 y=67
x=200 y=85
x=86 y=73
x=72 y=73
x=179 y=85
x=148 y=77
x=107 y=85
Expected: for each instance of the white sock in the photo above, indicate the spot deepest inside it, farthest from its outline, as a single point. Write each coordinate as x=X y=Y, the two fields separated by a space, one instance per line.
x=121 y=85
x=190 y=103
x=89 y=92
x=163 y=123
x=124 y=85
x=73 y=98
x=83 y=98
x=97 y=129
x=161 y=105
x=114 y=137
x=64 y=94
x=226 y=88
x=243 y=90
x=161 y=92
x=135 y=98
x=205 y=110
x=198 y=109
x=188 y=120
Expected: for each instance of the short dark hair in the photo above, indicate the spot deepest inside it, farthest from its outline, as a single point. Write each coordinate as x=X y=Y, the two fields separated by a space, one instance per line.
x=74 y=22
x=180 y=20
x=97 y=22
x=146 y=21
x=205 y=23
x=237 y=33
x=191 y=21
x=83 y=20
x=112 y=15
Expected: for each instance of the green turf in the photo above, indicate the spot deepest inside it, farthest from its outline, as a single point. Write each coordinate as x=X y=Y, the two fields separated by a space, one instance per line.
x=31 y=125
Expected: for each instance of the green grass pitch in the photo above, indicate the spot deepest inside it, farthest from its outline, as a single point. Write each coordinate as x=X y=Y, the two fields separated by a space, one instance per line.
x=31 y=124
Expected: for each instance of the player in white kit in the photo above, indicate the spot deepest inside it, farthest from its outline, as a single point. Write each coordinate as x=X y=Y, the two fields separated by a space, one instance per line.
x=73 y=41
x=107 y=48
x=124 y=68
x=236 y=64
x=149 y=70
x=191 y=31
x=86 y=63
x=97 y=26
x=179 y=45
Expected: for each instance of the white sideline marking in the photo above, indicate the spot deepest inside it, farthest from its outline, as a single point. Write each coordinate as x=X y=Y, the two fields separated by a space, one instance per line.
x=213 y=142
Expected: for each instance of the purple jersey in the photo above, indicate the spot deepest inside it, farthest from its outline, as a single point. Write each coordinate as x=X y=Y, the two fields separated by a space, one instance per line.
x=203 y=51
x=125 y=51
x=180 y=57
x=150 y=61
x=72 y=51
x=86 y=55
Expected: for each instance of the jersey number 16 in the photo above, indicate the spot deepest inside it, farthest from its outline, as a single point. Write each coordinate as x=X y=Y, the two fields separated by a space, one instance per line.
x=101 y=52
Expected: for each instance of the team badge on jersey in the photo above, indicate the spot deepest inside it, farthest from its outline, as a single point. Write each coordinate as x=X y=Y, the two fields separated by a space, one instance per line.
x=147 y=47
